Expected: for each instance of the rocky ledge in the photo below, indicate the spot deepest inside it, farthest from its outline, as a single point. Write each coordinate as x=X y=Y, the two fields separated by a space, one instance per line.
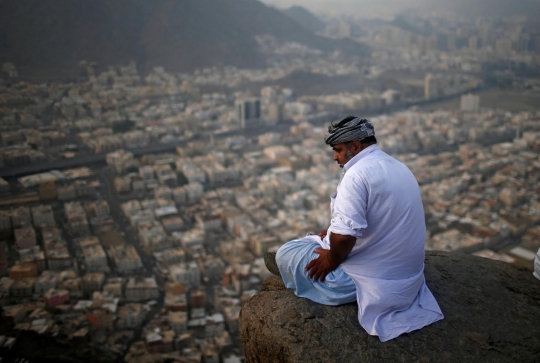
x=492 y=314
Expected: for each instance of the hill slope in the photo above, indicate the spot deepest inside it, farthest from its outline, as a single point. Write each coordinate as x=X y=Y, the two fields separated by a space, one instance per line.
x=305 y=18
x=180 y=35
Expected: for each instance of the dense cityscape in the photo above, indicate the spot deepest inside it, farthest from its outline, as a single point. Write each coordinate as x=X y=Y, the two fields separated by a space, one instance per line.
x=136 y=208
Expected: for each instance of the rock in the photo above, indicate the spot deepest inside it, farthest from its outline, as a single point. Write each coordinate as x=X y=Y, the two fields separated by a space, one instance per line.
x=491 y=308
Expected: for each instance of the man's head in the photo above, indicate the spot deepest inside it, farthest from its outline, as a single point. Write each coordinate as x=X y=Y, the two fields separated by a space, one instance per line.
x=349 y=137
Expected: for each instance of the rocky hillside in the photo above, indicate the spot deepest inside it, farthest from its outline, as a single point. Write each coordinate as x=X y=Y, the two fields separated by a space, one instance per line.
x=305 y=18
x=180 y=35
x=492 y=314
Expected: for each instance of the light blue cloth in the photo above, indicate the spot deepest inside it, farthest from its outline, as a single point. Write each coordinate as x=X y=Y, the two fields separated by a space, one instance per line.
x=292 y=259
x=377 y=201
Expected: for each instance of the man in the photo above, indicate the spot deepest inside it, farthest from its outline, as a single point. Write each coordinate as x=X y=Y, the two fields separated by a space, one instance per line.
x=373 y=251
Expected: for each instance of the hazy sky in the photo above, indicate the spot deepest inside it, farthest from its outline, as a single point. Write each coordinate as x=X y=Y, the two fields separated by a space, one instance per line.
x=389 y=8
x=367 y=8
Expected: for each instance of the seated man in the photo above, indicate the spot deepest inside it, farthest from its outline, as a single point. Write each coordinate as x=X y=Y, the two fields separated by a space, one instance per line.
x=373 y=251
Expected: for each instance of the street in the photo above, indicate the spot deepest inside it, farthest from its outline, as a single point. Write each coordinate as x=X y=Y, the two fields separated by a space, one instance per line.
x=130 y=236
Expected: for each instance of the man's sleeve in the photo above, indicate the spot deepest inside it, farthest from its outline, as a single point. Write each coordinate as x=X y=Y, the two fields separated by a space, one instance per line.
x=349 y=214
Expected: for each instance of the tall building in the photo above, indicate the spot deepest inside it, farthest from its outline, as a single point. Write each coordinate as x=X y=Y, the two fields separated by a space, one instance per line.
x=431 y=86
x=248 y=110
x=470 y=103
x=275 y=112
x=473 y=43
x=525 y=43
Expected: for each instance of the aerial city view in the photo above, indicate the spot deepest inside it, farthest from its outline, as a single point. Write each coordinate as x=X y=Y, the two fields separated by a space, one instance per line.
x=152 y=153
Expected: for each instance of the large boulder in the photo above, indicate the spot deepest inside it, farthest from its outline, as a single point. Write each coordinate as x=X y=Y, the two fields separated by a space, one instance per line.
x=492 y=314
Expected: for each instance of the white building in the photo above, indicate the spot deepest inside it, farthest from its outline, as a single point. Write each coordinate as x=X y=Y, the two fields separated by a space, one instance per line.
x=142 y=289
x=95 y=259
x=193 y=173
x=43 y=215
x=186 y=273
x=146 y=172
x=194 y=191
x=126 y=259
x=209 y=222
x=192 y=237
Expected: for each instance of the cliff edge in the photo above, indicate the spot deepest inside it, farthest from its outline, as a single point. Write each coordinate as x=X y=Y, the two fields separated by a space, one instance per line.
x=491 y=308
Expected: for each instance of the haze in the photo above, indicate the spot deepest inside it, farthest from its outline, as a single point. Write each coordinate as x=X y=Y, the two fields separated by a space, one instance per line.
x=389 y=8
x=363 y=8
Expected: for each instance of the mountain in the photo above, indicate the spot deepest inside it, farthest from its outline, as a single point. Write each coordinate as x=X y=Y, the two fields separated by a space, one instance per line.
x=389 y=8
x=305 y=18
x=179 y=34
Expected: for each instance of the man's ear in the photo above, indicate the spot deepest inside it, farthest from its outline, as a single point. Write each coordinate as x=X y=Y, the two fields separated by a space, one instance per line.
x=357 y=146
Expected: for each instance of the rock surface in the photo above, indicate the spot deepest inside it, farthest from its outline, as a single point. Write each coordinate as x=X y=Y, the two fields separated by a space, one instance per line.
x=492 y=314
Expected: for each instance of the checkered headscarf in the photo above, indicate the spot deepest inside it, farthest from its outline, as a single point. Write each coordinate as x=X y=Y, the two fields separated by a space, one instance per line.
x=343 y=131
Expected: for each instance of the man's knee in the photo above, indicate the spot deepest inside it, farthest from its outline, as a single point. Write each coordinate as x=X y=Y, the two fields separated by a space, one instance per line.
x=284 y=251
x=280 y=254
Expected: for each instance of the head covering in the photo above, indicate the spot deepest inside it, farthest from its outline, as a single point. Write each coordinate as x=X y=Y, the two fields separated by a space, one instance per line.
x=348 y=130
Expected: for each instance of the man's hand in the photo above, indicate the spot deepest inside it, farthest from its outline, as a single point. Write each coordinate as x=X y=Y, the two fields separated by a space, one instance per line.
x=323 y=233
x=321 y=266
x=328 y=260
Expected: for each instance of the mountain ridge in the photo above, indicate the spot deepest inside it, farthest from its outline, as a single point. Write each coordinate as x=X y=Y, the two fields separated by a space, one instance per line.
x=179 y=35
x=305 y=18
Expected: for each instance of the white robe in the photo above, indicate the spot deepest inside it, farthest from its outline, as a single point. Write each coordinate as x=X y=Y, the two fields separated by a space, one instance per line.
x=378 y=201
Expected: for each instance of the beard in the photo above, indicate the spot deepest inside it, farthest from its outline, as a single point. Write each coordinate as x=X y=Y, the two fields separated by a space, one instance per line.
x=348 y=156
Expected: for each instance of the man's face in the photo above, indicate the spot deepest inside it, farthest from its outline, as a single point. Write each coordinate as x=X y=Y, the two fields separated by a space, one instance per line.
x=343 y=153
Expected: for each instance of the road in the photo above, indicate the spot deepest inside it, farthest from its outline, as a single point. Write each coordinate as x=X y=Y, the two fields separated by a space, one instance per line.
x=13 y=172
x=83 y=160
x=19 y=171
x=131 y=238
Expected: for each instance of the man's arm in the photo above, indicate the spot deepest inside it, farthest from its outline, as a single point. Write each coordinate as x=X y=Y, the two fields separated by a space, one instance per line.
x=329 y=260
x=348 y=222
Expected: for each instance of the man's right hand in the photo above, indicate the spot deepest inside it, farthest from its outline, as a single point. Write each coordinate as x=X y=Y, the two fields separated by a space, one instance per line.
x=323 y=233
x=321 y=266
